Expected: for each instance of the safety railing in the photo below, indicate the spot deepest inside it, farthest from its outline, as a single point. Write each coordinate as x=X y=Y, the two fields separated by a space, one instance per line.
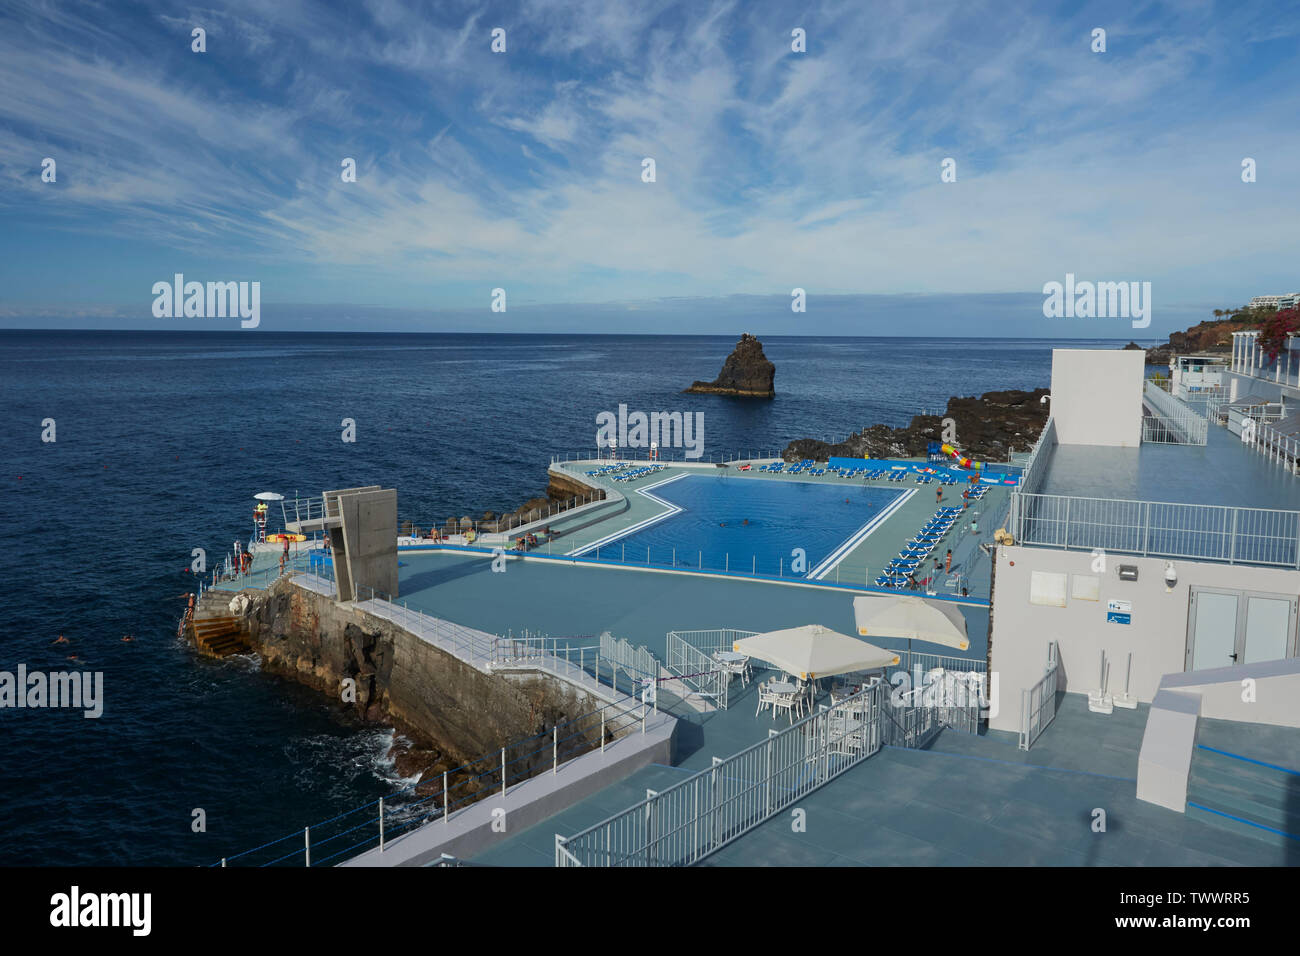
x=635 y=660
x=706 y=811
x=1164 y=529
x=457 y=528
x=690 y=659
x=227 y=579
x=439 y=797
x=470 y=645
x=1277 y=446
x=667 y=456
x=1173 y=422
x=956 y=689
x=1035 y=468
x=1038 y=703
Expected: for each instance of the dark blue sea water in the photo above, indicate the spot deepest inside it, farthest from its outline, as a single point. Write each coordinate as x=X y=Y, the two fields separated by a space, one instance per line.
x=163 y=439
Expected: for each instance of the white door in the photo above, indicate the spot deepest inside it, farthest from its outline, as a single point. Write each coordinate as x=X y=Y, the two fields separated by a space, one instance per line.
x=1269 y=624
x=1214 y=630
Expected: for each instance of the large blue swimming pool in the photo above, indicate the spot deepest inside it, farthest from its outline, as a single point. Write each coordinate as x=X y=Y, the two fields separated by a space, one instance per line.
x=748 y=524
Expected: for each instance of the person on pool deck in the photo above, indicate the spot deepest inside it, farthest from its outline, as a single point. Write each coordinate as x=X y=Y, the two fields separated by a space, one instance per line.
x=947 y=562
x=938 y=495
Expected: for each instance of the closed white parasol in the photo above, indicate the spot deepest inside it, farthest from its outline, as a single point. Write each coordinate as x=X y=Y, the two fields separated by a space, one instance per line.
x=913 y=618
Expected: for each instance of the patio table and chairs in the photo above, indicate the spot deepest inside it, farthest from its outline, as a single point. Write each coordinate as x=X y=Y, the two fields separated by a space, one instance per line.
x=782 y=695
x=729 y=662
x=808 y=654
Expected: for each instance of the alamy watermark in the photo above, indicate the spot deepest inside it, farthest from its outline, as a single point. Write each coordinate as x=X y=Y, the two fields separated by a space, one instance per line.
x=217 y=300
x=1101 y=300
x=658 y=430
x=83 y=690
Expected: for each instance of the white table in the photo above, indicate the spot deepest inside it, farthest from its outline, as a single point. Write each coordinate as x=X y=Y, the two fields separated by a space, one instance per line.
x=734 y=664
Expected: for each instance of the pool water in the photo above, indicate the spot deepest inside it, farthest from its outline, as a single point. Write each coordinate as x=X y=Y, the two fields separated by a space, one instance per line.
x=746 y=524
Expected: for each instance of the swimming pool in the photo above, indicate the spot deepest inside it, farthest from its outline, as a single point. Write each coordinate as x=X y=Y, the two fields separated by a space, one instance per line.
x=716 y=523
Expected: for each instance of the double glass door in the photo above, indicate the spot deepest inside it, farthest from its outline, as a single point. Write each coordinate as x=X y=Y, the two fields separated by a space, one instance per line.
x=1226 y=628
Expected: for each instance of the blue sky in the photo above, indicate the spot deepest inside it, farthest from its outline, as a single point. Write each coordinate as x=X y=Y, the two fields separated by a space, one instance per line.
x=522 y=170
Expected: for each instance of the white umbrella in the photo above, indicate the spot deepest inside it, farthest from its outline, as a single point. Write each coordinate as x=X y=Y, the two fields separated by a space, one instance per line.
x=814 y=651
x=268 y=496
x=914 y=618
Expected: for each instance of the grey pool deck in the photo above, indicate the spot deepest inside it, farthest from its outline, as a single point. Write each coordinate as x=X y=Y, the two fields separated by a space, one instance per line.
x=967 y=800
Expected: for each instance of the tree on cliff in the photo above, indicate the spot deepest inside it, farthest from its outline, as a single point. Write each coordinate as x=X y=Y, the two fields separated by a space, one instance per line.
x=1275 y=329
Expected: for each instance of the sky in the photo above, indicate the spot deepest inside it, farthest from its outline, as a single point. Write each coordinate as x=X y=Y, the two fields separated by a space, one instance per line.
x=522 y=170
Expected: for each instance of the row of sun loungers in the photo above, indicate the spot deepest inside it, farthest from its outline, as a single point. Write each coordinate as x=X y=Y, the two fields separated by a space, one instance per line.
x=919 y=548
x=639 y=473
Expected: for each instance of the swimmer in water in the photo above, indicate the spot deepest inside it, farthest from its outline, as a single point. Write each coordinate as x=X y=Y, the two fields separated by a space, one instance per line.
x=746 y=521
x=61 y=640
x=127 y=638
x=722 y=524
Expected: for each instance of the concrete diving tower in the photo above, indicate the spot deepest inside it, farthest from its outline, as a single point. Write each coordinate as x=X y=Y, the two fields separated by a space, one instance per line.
x=362 y=528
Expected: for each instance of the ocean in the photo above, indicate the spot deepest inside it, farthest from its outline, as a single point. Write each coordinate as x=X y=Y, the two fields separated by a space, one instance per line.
x=160 y=442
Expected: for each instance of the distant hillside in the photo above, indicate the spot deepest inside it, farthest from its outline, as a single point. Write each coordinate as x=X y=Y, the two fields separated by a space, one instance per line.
x=1212 y=335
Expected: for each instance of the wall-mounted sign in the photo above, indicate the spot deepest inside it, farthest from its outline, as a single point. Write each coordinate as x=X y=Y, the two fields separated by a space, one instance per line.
x=1119 y=612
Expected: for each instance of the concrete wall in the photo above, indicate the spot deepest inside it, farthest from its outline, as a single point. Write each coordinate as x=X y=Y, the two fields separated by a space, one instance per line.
x=370 y=538
x=1097 y=396
x=1157 y=634
x=1274 y=697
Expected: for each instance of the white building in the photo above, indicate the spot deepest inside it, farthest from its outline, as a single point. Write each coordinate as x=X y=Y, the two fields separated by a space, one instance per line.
x=1274 y=301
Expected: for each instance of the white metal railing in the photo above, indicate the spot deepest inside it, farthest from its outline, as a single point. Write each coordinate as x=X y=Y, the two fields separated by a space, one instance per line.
x=1038 y=703
x=690 y=659
x=1277 y=446
x=1173 y=421
x=437 y=798
x=706 y=811
x=1036 y=467
x=635 y=660
x=1164 y=529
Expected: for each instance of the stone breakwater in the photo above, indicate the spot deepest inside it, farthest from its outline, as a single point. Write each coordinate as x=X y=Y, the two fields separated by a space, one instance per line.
x=987 y=428
x=449 y=711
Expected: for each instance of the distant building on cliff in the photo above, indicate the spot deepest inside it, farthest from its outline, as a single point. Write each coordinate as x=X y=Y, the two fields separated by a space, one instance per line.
x=1275 y=301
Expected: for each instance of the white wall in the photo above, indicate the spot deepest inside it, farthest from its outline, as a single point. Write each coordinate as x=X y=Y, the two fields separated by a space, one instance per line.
x=1097 y=396
x=1157 y=634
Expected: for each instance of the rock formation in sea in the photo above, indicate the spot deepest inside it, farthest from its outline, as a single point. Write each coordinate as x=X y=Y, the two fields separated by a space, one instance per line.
x=988 y=428
x=746 y=373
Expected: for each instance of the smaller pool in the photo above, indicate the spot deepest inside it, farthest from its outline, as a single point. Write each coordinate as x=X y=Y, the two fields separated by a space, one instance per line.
x=756 y=525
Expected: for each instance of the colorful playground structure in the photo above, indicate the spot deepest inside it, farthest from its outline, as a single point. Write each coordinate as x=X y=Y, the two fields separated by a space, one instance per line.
x=962 y=460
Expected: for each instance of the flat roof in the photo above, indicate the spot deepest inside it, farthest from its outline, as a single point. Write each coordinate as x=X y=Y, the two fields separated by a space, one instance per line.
x=1221 y=472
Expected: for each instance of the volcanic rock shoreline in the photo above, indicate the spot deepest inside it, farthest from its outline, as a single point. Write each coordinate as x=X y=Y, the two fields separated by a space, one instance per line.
x=988 y=428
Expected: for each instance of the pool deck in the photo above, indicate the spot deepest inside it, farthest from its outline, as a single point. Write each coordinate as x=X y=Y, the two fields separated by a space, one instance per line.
x=860 y=565
x=965 y=800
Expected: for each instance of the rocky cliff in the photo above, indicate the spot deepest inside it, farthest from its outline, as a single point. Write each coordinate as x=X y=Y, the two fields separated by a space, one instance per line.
x=988 y=428
x=449 y=711
x=746 y=373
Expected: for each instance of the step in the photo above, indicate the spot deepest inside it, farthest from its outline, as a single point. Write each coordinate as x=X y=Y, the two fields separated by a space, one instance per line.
x=1260 y=795
x=1271 y=793
x=1237 y=826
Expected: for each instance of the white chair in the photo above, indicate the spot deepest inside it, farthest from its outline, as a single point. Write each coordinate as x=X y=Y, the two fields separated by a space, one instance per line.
x=766 y=698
